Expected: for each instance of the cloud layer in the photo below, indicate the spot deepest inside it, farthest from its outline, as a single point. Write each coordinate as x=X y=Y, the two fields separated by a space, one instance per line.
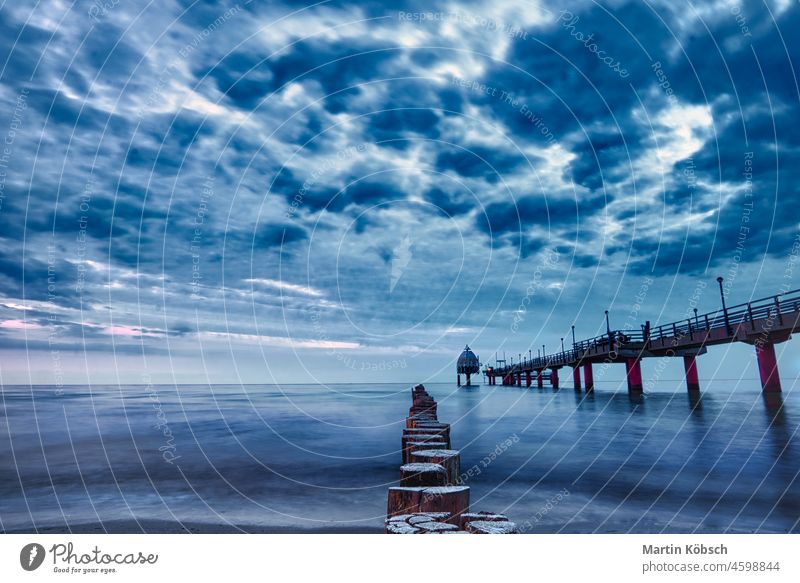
x=276 y=190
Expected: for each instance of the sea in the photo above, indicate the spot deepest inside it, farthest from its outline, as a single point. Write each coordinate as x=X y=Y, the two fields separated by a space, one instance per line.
x=317 y=458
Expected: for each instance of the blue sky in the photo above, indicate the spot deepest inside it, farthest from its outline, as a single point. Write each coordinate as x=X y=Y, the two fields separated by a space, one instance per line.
x=282 y=192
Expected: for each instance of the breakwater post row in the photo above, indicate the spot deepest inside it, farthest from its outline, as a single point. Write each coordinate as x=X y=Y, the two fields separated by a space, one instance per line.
x=431 y=498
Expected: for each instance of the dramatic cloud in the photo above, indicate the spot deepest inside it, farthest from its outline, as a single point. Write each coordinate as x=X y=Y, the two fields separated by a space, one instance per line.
x=265 y=187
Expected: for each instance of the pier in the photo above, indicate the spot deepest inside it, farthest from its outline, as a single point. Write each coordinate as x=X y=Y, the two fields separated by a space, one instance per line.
x=760 y=323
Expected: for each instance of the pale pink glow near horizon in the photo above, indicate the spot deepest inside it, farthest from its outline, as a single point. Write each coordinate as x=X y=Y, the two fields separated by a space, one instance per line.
x=19 y=325
x=125 y=331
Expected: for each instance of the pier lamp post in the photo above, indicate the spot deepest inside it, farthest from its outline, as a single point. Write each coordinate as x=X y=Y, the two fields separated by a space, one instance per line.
x=696 y=321
x=573 y=337
x=529 y=355
x=724 y=307
x=608 y=326
x=562 y=345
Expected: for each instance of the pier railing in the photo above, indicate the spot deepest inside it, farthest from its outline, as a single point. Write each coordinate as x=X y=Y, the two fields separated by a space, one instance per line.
x=777 y=307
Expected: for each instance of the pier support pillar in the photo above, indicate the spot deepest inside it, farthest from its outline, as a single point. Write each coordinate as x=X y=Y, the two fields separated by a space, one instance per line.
x=576 y=377
x=469 y=381
x=690 y=366
x=539 y=378
x=554 y=377
x=519 y=379
x=528 y=378
x=588 y=376
x=634 y=373
x=458 y=380
x=768 y=368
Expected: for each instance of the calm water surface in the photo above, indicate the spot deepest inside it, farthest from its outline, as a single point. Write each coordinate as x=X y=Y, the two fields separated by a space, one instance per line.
x=321 y=458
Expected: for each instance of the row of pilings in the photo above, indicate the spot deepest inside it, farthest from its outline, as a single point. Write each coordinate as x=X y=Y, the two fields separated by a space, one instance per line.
x=431 y=497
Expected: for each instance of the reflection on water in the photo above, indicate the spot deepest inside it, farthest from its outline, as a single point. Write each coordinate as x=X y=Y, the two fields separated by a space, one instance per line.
x=313 y=457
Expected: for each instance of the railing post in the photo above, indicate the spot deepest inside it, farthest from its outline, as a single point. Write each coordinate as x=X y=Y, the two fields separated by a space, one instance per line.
x=778 y=309
x=750 y=315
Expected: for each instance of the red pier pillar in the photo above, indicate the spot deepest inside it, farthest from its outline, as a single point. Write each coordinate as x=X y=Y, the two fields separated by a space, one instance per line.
x=690 y=366
x=768 y=368
x=527 y=378
x=588 y=376
x=554 y=377
x=576 y=377
x=634 y=373
x=539 y=378
x=519 y=379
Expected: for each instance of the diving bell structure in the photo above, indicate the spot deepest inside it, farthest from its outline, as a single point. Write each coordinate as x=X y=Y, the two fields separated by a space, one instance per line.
x=468 y=364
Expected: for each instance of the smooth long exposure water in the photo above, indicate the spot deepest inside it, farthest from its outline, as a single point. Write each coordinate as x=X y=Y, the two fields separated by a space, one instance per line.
x=268 y=458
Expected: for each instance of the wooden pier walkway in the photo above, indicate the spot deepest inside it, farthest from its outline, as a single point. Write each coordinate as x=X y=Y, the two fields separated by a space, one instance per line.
x=761 y=323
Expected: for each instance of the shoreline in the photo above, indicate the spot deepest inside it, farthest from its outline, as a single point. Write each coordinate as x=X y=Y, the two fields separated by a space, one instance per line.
x=172 y=527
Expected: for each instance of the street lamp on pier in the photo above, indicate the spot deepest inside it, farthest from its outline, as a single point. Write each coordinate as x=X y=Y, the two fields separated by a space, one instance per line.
x=724 y=307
